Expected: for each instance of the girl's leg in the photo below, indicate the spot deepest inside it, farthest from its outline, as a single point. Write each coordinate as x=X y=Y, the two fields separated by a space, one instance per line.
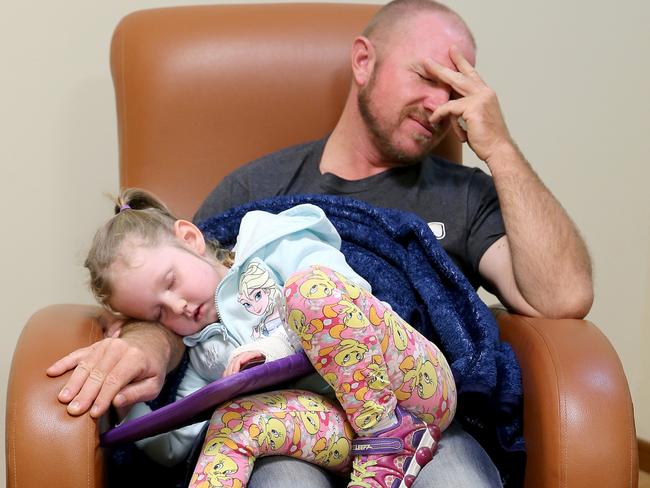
x=370 y=356
x=294 y=423
x=374 y=360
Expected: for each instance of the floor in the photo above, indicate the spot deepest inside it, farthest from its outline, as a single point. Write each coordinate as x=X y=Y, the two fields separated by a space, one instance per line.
x=644 y=479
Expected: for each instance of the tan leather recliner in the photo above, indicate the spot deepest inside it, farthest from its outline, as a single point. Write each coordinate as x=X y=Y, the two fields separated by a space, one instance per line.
x=202 y=90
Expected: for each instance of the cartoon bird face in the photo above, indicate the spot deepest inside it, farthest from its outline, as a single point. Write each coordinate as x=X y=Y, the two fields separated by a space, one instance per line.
x=400 y=339
x=350 y=352
x=353 y=316
x=332 y=452
x=221 y=469
x=427 y=380
x=369 y=415
x=272 y=434
x=423 y=377
x=274 y=400
x=377 y=378
x=310 y=421
x=318 y=285
x=312 y=403
x=352 y=289
x=297 y=321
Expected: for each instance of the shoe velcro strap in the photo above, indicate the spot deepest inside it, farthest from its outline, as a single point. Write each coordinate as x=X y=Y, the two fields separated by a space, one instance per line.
x=365 y=446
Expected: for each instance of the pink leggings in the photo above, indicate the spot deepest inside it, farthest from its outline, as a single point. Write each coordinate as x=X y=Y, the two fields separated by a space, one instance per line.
x=293 y=423
x=370 y=357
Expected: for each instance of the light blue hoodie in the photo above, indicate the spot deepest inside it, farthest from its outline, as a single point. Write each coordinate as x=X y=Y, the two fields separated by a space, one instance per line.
x=266 y=243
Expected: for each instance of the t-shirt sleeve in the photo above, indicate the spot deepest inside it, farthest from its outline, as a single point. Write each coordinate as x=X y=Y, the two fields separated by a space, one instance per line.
x=485 y=223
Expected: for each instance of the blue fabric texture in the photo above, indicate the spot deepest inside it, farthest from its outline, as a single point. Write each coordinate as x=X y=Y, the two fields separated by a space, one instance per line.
x=400 y=257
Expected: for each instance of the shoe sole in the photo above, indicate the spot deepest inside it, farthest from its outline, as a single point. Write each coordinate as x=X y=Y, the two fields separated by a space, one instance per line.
x=414 y=468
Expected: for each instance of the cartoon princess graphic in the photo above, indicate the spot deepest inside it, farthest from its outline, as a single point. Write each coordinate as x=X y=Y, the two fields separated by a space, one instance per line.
x=260 y=295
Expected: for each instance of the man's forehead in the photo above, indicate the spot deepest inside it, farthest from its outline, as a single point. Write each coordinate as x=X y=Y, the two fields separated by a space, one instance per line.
x=430 y=35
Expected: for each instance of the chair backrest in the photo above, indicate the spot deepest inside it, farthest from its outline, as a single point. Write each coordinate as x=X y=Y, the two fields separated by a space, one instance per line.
x=202 y=90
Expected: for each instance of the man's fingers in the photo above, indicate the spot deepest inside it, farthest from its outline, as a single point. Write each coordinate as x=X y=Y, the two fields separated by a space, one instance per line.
x=125 y=383
x=100 y=389
x=68 y=362
x=457 y=81
x=457 y=126
x=139 y=391
x=99 y=372
x=119 y=387
x=461 y=63
x=81 y=362
x=452 y=109
x=90 y=381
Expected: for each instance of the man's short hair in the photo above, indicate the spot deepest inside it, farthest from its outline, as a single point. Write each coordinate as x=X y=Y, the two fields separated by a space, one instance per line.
x=390 y=14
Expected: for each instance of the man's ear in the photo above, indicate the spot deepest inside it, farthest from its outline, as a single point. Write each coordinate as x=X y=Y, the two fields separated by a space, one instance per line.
x=363 y=57
x=190 y=235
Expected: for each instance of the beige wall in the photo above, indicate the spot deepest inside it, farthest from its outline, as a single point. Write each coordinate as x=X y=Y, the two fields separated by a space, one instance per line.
x=572 y=77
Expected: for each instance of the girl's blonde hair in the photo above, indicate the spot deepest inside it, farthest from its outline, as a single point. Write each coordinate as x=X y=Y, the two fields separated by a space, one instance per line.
x=140 y=215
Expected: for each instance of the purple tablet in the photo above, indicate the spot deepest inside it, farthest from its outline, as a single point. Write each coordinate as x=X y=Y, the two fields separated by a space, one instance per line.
x=200 y=404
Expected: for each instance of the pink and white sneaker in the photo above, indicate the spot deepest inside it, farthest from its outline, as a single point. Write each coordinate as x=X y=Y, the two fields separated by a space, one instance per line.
x=393 y=457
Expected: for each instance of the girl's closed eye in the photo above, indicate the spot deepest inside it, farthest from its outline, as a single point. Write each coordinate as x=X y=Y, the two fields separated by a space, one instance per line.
x=170 y=280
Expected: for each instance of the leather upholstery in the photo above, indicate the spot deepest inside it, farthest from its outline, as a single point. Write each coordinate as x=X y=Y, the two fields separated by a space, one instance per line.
x=200 y=91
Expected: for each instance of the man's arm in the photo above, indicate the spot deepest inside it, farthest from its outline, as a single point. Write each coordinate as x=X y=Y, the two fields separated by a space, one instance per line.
x=542 y=267
x=119 y=370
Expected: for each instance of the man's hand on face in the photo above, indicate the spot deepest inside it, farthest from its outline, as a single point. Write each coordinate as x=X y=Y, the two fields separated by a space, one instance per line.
x=475 y=115
x=121 y=371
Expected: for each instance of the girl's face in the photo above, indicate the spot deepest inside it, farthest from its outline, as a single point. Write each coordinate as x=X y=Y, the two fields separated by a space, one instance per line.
x=166 y=284
x=257 y=301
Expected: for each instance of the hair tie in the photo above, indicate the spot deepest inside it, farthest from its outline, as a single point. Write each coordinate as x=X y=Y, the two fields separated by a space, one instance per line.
x=126 y=206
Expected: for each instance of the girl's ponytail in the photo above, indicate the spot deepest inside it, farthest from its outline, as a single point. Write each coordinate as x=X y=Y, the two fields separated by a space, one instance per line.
x=137 y=199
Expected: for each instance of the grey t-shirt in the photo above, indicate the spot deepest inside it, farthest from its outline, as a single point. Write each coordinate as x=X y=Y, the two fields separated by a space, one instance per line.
x=459 y=203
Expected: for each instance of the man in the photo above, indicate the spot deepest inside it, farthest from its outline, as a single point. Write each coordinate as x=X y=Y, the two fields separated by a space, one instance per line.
x=413 y=80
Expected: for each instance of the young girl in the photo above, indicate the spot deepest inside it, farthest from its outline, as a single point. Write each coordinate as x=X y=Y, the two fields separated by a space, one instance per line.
x=395 y=387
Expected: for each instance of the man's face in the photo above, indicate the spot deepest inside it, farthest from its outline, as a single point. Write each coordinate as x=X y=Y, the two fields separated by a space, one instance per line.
x=399 y=96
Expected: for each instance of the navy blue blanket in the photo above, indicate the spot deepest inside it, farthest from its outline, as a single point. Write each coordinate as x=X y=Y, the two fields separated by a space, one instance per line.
x=401 y=258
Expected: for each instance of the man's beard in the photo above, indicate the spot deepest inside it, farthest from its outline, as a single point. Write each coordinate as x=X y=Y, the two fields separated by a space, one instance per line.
x=381 y=134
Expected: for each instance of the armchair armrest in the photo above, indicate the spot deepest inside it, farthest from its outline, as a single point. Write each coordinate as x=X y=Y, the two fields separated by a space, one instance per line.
x=578 y=414
x=44 y=445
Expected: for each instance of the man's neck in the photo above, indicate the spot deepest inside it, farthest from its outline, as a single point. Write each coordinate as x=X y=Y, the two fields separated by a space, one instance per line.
x=350 y=152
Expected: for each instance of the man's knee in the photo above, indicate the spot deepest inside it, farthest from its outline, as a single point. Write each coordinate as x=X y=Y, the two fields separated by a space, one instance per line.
x=275 y=471
x=459 y=461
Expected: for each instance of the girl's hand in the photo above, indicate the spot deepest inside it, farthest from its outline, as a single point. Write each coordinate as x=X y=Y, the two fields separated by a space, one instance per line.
x=243 y=361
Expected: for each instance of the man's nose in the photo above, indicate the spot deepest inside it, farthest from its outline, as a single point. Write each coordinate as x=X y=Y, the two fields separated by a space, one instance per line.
x=436 y=97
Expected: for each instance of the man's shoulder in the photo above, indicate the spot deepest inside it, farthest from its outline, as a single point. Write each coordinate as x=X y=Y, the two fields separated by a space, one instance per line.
x=285 y=159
